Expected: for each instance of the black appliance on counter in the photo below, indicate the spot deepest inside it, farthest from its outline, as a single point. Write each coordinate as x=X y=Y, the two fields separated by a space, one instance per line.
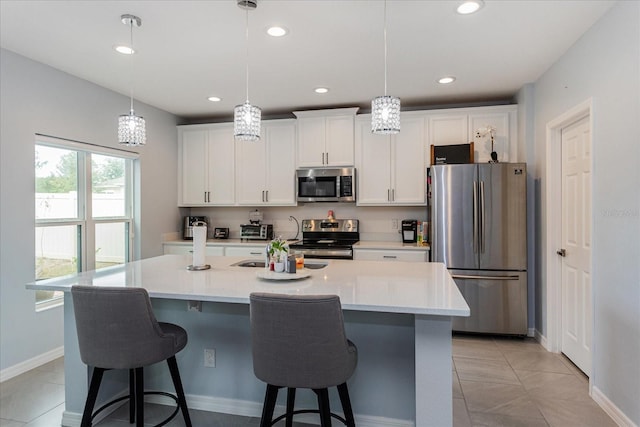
x=409 y=230
x=187 y=230
x=327 y=238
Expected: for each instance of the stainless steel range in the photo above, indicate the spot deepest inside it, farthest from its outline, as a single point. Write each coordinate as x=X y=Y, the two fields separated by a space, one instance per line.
x=328 y=238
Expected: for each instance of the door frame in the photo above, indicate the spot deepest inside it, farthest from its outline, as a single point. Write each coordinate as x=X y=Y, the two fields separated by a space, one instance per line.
x=553 y=273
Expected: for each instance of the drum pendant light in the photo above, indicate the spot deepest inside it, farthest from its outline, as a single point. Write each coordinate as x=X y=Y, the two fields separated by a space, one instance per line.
x=246 y=117
x=131 y=128
x=385 y=110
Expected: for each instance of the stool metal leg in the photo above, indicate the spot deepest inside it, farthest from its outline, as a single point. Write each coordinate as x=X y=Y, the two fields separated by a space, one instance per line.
x=96 y=378
x=323 y=405
x=139 y=397
x=343 y=391
x=132 y=395
x=177 y=383
x=291 y=400
x=269 y=405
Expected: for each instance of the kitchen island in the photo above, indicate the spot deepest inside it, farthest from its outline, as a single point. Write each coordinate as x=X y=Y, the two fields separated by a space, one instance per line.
x=398 y=314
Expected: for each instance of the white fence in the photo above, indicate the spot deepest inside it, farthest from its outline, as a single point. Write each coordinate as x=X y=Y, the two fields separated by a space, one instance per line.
x=60 y=242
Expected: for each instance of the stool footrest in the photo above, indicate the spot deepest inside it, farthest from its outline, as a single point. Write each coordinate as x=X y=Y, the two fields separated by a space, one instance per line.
x=157 y=393
x=308 y=411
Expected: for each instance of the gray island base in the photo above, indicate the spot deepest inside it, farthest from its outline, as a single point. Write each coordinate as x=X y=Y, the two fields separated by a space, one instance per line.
x=398 y=314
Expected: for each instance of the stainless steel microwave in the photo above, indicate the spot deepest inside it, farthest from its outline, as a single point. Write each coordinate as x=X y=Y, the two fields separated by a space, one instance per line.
x=326 y=185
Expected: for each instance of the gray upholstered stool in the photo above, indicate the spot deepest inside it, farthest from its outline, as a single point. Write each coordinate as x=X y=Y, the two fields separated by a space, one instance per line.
x=117 y=330
x=299 y=342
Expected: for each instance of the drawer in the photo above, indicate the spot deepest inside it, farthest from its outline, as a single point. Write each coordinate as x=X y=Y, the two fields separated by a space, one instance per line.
x=389 y=255
x=249 y=252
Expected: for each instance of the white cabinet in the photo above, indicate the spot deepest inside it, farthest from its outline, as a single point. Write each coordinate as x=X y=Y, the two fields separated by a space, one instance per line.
x=459 y=126
x=206 y=166
x=391 y=168
x=246 y=251
x=182 y=249
x=389 y=255
x=265 y=171
x=325 y=137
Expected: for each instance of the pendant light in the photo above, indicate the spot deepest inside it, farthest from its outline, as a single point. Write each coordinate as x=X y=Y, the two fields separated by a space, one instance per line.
x=385 y=110
x=246 y=117
x=131 y=128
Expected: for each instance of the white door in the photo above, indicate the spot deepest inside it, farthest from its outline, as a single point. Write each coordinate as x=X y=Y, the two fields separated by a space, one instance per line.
x=576 y=244
x=194 y=167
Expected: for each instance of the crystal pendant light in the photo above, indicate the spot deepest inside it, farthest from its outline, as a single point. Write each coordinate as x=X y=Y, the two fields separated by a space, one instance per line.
x=385 y=110
x=246 y=117
x=131 y=128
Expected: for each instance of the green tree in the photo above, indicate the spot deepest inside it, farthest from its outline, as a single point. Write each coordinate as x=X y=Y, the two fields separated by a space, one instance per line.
x=63 y=180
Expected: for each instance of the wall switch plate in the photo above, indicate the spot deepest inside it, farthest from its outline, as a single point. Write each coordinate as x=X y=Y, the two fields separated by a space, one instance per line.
x=209 y=358
x=394 y=224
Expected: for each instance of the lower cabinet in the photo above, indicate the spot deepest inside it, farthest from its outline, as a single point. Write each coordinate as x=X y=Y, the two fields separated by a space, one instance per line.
x=175 y=249
x=249 y=252
x=390 y=255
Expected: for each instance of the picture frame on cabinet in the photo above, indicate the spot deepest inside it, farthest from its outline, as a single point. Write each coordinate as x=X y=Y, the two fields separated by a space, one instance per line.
x=452 y=154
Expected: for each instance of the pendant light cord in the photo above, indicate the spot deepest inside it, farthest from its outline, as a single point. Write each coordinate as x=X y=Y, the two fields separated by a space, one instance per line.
x=131 y=62
x=385 y=47
x=247 y=50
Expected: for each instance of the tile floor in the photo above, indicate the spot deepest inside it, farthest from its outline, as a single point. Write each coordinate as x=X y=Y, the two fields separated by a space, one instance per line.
x=496 y=382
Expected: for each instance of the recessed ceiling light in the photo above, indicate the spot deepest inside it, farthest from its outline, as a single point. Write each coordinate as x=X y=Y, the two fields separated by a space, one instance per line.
x=276 y=31
x=321 y=90
x=446 y=80
x=469 y=6
x=214 y=99
x=125 y=50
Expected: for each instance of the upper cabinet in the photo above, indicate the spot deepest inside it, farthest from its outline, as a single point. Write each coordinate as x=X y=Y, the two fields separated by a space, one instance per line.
x=459 y=126
x=391 y=169
x=265 y=171
x=206 y=166
x=326 y=137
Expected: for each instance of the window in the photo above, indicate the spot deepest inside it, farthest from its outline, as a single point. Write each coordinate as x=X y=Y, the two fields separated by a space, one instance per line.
x=84 y=210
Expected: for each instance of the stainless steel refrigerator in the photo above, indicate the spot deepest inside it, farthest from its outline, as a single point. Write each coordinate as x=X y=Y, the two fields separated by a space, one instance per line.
x=479 y=230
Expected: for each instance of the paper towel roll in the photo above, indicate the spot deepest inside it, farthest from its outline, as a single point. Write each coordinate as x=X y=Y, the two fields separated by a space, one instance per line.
x=199 y=244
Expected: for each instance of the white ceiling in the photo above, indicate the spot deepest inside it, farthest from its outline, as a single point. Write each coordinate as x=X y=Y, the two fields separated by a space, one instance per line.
x=189 y=50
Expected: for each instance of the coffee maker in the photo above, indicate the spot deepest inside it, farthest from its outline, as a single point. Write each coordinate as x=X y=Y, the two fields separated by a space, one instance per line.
x=187 y=231
x=409 y=230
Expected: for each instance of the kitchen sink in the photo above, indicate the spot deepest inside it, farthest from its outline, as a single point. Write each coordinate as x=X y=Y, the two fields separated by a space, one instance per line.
x=260 y=264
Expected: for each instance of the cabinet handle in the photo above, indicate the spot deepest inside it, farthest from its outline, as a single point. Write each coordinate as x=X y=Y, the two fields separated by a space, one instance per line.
x=323 y=158
x=263 y=195
x=393 y=194
x=388 y=195
x=267 y=193
x=389 y=256
x=208 y=196
x=327 y=158
x=205 y=197
x=255 y=253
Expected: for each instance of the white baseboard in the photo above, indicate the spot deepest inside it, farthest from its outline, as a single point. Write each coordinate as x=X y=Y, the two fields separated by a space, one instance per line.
x=27 y=365
x=254 y=409
x=541 y=339
x=611 y=409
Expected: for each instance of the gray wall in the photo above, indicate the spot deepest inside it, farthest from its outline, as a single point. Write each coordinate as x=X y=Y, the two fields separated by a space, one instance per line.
x=605 y=64
x=39 y=99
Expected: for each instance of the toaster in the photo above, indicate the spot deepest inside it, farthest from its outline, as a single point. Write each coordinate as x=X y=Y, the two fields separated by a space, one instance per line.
x=256 y=232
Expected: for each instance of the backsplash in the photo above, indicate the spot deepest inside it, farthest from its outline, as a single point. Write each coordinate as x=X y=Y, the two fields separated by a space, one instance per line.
x=376 y=223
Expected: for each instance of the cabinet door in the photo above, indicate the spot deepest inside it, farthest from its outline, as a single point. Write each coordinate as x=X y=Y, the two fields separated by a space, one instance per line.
x=482 y=145
x=448 y=130
x=193 y=168
x=221 y=167
x=373 y=166
x=389 y=255
x=280 y=139
x=339 y=141
x=311 y=137
x=251 y=172
x=408 y=150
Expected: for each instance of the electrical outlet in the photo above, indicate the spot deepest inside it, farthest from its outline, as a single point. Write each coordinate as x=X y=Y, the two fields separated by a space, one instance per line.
x=209 y=358
x=394 y=224
x=194 y=306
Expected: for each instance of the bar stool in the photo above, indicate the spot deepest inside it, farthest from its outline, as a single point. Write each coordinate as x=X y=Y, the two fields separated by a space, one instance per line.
x=117 y=330
x=300 y=342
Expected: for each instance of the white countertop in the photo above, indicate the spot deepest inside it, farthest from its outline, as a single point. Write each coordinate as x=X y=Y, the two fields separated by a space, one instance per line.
x=360 y=245
x=398 y=287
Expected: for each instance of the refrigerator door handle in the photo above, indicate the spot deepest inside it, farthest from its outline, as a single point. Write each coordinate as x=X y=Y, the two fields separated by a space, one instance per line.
x=482 y=219
x=471 y=277
x=475 y=217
